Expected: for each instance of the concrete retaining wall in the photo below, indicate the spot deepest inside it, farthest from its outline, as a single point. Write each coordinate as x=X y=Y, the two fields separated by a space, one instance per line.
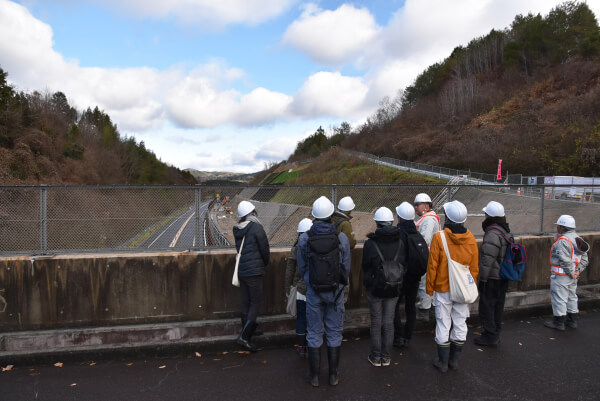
x=99 y=290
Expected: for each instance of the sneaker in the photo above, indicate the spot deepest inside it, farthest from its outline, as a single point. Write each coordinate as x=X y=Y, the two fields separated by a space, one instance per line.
x=374 y=361
x=386 y=361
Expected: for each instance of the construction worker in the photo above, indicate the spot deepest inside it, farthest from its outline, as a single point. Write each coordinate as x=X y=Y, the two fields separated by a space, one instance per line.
x=341 y=220
x=294 y=279
x=324 y=263
x=427 y=225
x=451 y=317
x=416 y=266
x=568 y=258
x=492 y=287
x=254 y=257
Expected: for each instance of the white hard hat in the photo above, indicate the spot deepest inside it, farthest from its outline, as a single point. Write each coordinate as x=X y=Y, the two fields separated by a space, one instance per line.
x=405 y=211
x=494 y=209
x=346 y=204
x=304 y=225
x=422 y=198
x=322 y=208
x=383 y=214
x=566 y=221
x=456 y=211
x=244 y=208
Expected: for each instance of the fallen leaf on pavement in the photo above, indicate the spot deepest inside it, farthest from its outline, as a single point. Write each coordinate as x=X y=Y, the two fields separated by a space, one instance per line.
x=199 y=355
x=479 y=349
x=162 y=367
x=34 y=374
x=216 y=359
x=264 y=362
x=395 y=363
x=389 y=385
x=58 y=364
x=552 y=338
x=129 y=364
x=73 y=384
x=224 y=353
x=7 y=368
x=345 y=340
x=520 y=343
x=92 y=363
x=357 y=338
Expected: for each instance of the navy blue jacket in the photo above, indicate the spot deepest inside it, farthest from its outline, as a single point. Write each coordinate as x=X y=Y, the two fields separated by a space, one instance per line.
x=255 y=254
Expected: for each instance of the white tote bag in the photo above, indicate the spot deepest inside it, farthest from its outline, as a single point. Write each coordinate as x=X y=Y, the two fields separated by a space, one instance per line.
x=291 y=301
x=235 y=280
x=463 y=289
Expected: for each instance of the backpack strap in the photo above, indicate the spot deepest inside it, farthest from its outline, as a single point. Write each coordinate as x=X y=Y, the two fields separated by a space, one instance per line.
x=337 y=223
x=396 y=256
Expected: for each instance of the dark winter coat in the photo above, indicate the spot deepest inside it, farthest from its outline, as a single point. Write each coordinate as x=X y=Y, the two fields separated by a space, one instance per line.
x=413 y=275
x=493 y=250
x=388 y=241
x=255 y=253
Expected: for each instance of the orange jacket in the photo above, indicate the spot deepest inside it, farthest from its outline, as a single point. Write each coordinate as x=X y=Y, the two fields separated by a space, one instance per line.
x=463 y=249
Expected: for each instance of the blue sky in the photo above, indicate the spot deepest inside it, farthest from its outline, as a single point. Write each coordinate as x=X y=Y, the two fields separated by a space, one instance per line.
x=231 y=85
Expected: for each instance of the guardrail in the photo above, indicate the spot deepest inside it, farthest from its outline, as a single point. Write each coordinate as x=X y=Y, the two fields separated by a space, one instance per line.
x=41 y=220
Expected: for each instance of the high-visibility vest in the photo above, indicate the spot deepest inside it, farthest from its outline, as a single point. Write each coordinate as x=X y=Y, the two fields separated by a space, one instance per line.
x=431 y=213
x=576 y=259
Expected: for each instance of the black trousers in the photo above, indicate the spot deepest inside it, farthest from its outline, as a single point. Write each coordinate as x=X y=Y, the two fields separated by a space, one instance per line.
x=252 y=292
x=409 y=295
x=492 y=295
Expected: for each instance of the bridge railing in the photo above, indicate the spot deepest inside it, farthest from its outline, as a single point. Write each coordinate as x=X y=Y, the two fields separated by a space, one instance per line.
x=41 y=220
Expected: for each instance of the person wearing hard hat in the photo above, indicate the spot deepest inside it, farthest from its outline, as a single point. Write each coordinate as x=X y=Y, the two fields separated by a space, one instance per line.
x=385 y=244
x=416 y=266
x=341 y=220
x=451 y=317
x=427 y=225
x=568 y=258
x=324 y=264
x=254 y=257
x=492 y=288
x=293 y=279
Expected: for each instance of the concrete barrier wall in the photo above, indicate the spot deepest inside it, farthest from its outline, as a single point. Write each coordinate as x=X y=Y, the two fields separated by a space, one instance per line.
x=101 y=290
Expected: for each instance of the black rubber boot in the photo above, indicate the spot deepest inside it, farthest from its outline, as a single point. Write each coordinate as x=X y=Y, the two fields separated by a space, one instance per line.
x=333 y=357
x=558 y=323
x=443 y=354
x=245 y=337
x=455 y=350
x=571 y=320
x=301 y=345
x=314 y=366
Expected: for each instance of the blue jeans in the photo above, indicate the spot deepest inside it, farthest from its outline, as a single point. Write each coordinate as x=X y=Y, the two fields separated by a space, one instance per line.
x=382 y=325
x=300 y=317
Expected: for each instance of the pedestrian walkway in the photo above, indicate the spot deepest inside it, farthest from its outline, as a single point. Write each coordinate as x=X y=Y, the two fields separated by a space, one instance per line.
x=531 y=363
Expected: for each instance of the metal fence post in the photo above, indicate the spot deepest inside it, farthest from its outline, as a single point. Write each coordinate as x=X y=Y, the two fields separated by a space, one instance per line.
x=197 y=219
x=333 y=194
x=43 y=220
x=449 y=194
x=542 y=196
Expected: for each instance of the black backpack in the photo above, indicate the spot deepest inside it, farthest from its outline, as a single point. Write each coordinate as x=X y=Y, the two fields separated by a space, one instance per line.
x=418 y=253
x=324 y=267
x=390 y=274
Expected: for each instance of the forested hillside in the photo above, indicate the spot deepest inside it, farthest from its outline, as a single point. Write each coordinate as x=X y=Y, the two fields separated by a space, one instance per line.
x=44 y=140
x=529 y=95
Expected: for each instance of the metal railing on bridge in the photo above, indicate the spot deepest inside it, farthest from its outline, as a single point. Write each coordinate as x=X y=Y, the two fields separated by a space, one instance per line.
x=42 y=220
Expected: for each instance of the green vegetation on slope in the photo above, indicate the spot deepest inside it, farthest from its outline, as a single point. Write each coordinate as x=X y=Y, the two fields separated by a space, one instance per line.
x=44 y=140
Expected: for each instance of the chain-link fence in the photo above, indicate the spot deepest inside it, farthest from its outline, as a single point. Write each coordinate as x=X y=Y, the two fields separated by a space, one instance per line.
x=59 y=219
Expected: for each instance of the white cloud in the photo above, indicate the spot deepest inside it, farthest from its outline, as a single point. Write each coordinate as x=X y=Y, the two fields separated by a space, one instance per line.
x=261 y=106
x=277 y=149
x=210 y=13
x=330 y=93
x=332 y=37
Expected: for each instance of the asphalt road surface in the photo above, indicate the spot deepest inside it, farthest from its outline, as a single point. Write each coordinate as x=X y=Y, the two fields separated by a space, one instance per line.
x=531 y=363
